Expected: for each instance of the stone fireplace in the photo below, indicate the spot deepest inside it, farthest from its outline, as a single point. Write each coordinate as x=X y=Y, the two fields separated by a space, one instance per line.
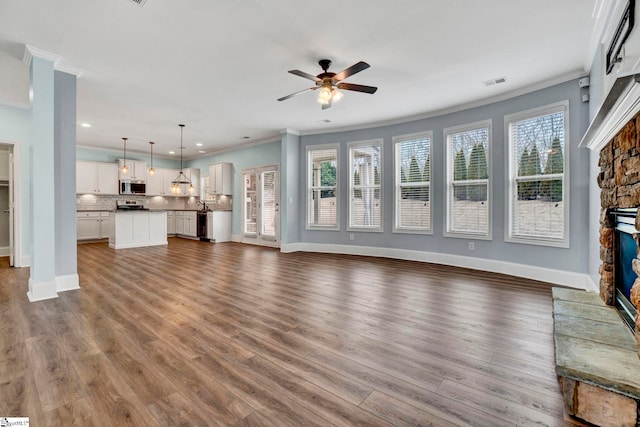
x=597 y=356
x=619 y=181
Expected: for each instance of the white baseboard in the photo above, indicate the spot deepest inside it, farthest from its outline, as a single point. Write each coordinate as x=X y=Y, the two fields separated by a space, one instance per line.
x=236 y=238
x=5 y=251
x=137 y=245
x=23 y=261
x=549 y=275
x=68 y=282
x=39 y=291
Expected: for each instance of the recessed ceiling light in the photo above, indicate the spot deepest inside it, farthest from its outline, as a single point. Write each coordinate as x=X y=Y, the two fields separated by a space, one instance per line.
x=198 y=144
x=246 y=137
x=324 y=121
x=85 y=125
x=201 y=151
x=172 y=152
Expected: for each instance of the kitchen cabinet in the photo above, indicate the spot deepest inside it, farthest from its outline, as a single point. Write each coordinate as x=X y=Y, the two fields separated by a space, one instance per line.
x=179 y=223
x=190 y=224
x=93 y=225
x=171 y=222
x=136 y=170
x=186 y=223
x=219 y=226
x=159 y=184
x=96 y=178
x=133 y=229
x=221 y=178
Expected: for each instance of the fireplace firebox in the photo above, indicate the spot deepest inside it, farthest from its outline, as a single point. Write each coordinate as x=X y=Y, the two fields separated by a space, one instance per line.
x=625 y=252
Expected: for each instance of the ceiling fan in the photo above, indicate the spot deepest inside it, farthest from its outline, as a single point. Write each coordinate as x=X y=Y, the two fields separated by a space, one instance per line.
x=329 y=82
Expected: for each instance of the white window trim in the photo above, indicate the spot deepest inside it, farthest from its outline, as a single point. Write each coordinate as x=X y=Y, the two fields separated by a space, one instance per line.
x=449 y=178
x=509 y=168
x=316 y=227
x=366 y=143
x=397 y=140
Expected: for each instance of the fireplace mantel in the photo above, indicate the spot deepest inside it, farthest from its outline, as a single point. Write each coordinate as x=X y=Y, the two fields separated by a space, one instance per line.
x=621 y=105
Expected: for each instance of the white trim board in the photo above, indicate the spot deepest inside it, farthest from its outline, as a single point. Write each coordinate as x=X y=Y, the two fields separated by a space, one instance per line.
x=557 y=277
x=67 y=282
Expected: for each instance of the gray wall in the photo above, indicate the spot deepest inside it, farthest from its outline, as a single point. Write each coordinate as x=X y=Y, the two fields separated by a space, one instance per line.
x=65 y=172
x=572 y=259
x=290 y=188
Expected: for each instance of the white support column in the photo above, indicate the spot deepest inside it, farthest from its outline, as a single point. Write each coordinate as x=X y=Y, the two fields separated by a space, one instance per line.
x=42 y=282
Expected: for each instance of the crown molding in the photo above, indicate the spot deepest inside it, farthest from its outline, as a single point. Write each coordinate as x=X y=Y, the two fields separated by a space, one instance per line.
x=460 y=107
x=58 y=65
x=64 y=68
x=31 y=51
x=290 y=131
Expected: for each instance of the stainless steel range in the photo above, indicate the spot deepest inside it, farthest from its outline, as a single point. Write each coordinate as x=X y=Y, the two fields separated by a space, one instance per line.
x=131 y=205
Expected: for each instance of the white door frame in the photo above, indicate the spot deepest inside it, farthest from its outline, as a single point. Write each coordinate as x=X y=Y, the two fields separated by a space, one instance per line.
x=257 y=239
x=15 y=229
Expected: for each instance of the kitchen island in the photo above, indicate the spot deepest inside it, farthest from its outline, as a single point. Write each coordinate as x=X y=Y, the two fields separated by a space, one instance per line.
x=137 y=228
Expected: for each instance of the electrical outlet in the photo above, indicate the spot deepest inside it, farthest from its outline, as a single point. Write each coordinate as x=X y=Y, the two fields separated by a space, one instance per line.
x=351 y=236
x=472 y=246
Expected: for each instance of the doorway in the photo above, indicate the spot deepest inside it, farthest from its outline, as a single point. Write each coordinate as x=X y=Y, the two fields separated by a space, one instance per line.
x=6 y=204
x=261 y=206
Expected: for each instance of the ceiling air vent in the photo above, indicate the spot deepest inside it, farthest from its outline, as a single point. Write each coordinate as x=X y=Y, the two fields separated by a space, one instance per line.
x=139 y=2
x=495 y=81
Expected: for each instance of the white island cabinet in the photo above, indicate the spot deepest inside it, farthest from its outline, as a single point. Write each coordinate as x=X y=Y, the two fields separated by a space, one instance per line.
x=133 y=229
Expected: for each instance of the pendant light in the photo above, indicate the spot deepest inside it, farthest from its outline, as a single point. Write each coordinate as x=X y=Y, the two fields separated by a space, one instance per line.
x=151 y=169
x=181 y=179
x=124 y=163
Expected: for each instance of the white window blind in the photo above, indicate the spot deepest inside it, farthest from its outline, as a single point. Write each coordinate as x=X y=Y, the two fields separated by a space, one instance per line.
x=412 y=164
x=538 y=203
x=468 y=178
x=322 y=182
x=365 y=177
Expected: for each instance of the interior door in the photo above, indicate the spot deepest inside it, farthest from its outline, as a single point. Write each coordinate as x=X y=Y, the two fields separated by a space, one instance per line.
x=261 y=206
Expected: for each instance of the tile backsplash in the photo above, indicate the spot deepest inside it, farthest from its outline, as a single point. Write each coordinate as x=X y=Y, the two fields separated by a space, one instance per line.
x=92 y=202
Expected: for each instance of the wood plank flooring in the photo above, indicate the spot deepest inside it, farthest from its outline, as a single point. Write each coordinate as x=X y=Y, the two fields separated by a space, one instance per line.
x=235 y=335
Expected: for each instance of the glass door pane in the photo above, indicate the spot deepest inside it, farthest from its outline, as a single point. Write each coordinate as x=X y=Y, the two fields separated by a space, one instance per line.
x=250 y=204
x=269 y=205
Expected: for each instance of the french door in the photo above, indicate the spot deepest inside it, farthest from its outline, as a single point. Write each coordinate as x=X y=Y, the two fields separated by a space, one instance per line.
x=261 y=206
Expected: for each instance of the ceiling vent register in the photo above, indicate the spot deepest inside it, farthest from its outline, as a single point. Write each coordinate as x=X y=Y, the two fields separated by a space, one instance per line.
x=139 y=2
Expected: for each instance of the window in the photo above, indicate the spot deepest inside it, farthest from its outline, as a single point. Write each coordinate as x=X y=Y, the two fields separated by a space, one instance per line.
x=322 y=185
x=538 y=202
x=365 y=192
x=412 y=160
x=468 y=192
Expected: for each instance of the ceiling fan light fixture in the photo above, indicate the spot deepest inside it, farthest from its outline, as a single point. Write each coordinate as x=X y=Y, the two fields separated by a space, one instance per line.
x=325 y=94
x=336 y=95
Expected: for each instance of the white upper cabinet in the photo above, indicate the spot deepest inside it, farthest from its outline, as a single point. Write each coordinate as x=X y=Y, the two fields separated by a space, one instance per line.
x=96 y=178
x=159 y=184
x=136 y=170
x=221 y=178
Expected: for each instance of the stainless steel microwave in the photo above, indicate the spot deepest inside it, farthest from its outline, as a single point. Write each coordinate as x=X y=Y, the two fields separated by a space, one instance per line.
x=132 y=187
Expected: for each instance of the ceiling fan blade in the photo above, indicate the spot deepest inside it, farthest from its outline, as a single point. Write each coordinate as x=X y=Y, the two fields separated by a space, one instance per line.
x=296 y=93
x=305 y=75
x=355 y=68
x=357 y=88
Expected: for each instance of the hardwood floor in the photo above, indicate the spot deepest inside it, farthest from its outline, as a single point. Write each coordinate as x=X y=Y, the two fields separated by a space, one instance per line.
x=235 y=335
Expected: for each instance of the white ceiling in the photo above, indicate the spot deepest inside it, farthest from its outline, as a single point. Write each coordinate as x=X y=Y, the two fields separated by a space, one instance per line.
x=219 y=65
